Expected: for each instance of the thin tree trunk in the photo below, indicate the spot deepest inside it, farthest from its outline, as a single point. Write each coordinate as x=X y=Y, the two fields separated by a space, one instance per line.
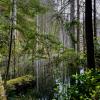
x=84 y=37
x=12 y=31
x=95 y=33
x=89 y=35
x=14 y=34
x=37 y=63
x=14 y=70
x=72 y=18
x=78 y=26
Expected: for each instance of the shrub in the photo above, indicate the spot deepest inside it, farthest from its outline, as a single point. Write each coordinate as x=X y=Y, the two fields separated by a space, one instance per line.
x=86 y=87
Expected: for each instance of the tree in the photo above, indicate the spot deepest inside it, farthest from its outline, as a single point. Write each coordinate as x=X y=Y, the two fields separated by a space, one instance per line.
x=89 y=34
x=95 y=33
x=72 y=18
x=21 y=20
x=78 y=27
x=12 y=33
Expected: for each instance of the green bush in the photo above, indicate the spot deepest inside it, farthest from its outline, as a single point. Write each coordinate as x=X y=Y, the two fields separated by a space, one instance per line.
x=86 y=87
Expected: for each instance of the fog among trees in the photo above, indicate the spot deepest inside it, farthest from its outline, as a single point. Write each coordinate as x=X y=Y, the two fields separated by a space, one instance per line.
x=49 y=50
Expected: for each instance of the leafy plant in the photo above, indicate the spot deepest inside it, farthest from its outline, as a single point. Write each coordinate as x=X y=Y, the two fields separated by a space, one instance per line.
x=86 y=87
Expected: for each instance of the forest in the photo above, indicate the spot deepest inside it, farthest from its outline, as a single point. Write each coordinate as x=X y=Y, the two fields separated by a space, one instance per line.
x=49 y=50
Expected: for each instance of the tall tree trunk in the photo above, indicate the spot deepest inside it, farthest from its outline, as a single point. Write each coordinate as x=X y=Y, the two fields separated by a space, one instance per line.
x=37 y=62
x=12 y=33
x=78 y=26
x=95 y=33
x=72 y=18
x=14 y=13
x=89 y=35
x=84 y=37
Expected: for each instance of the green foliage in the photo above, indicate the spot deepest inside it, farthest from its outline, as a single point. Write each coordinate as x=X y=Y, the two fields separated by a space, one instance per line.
x=86 y=87
x=3 y=44
x=70 y=56
x=68 y=28
x=26 y=27
x=97 y=54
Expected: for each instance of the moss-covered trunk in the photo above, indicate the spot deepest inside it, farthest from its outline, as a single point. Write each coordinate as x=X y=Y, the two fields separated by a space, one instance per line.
x=2 y=91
